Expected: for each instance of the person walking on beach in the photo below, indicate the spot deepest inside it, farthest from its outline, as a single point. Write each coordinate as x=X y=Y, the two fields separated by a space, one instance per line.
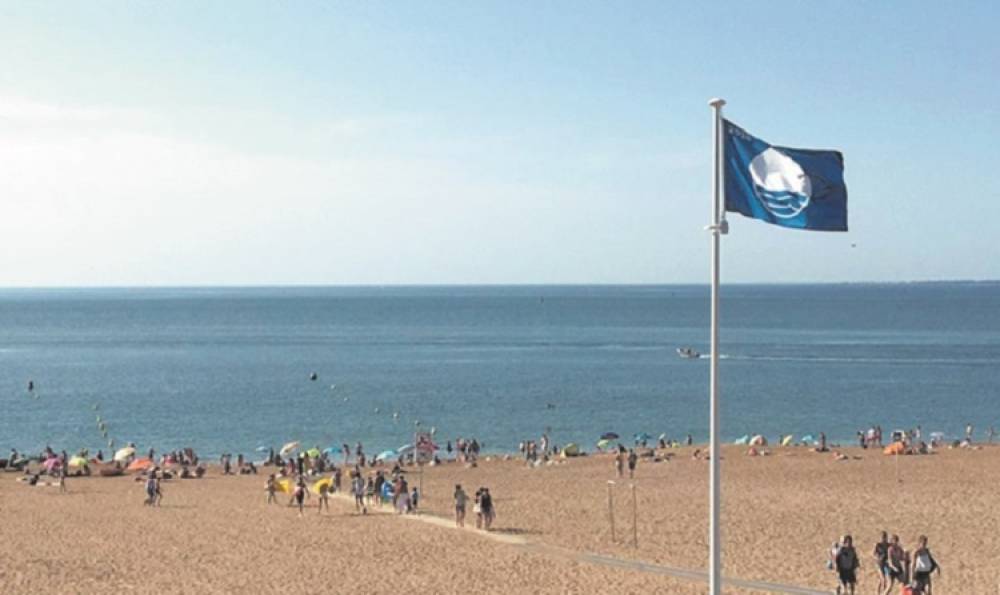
x=923 y=565
x=300 y=494
x=845 y=562
x=324 y=496
x=968 y=433
x=486 y=507
x=881 y=556
x=895 y=565
x=990 y=434
x=152 y=489
x=460 y=499
x=358 y=489
x=632 y=460
x=271 y=487
x=620 y=462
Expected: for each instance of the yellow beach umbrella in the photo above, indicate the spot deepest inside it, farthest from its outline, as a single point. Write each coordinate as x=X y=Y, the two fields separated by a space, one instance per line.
x=77 y=461
x=284 y=485
x=326 y=481
x=787 y=440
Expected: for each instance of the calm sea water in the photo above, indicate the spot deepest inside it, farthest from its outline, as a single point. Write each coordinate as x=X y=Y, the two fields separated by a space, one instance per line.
x=228 y=369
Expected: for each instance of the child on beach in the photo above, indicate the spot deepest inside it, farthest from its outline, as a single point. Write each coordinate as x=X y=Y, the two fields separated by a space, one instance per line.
x=271 y=487
x=460 y=499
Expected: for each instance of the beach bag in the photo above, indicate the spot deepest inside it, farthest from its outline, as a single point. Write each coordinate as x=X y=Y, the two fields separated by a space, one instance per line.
x=924 y=562
x=906 y=590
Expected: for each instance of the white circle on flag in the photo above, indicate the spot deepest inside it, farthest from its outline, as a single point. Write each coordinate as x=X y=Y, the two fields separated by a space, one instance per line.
x=780 y=184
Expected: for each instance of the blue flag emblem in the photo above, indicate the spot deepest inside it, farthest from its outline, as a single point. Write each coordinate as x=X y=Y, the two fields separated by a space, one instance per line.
x=798 y=188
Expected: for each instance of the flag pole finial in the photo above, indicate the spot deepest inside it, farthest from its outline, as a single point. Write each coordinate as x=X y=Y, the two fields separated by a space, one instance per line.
x=716 y=102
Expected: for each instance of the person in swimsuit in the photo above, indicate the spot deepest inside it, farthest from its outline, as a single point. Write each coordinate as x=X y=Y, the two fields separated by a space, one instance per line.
x=300 y=494
x=632 y=460
x=460 y=499
x=923 y=565
x=846 y=564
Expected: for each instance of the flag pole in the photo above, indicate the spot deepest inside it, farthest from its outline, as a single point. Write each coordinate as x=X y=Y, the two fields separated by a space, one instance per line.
x=718 y=228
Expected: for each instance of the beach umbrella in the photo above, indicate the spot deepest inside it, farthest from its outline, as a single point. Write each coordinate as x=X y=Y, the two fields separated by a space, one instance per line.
x=263 y=449
x=140 y=465
x=284 y=485
x=808 y=439
x=609 y=436
x=123 y=453
x=77 y=461
x=289 y=448
x=742 y=441
x=51 y=463
x=326 y=481
x=406 y=448
x=313 y=453
x=571 y=450
x=385 y=454
x=787 y=440
x=331 y=450
x=758 y=440
x=604 y=443
x=642 y=437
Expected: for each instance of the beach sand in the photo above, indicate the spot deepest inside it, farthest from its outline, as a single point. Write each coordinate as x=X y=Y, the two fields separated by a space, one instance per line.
x=781 y=514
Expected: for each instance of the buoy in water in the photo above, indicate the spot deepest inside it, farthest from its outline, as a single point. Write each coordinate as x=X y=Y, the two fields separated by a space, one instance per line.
x=314 y=376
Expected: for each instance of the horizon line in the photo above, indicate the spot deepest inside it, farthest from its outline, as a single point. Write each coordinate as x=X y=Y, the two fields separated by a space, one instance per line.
x=483 y=285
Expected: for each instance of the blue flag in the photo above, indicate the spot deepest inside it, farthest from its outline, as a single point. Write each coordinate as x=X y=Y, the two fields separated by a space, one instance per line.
x=798 y=188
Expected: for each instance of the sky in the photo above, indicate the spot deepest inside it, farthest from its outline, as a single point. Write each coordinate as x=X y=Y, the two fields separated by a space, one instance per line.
x=326 y=143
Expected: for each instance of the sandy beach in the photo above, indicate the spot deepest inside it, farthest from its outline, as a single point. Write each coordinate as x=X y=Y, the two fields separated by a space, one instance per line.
x=781 y=513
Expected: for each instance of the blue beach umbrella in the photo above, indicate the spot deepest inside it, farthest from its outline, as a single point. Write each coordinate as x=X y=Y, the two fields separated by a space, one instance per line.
x=331 y=450
x=609 y=436
x=642 y=437
x=263 y=449
x=385 y=454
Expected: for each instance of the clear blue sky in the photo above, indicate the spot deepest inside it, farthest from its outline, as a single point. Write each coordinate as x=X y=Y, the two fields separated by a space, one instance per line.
x=483 y=142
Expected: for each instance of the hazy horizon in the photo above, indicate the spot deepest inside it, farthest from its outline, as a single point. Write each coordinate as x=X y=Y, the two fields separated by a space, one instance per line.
x=192 y=144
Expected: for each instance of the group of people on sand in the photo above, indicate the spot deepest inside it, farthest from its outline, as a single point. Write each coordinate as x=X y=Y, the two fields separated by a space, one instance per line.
x=626 y=457
x=894 y=565
x=482 y=507
x=377 y=489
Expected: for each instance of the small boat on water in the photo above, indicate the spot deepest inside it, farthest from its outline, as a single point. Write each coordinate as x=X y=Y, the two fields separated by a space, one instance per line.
x=688 y=353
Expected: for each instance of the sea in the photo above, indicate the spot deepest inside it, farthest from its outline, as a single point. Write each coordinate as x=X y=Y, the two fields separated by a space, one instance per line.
x=240 y=370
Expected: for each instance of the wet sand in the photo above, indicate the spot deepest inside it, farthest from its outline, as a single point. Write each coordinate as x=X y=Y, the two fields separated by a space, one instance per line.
x=781 y=513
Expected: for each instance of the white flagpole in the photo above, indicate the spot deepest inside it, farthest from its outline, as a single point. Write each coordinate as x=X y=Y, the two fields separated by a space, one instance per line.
x=718 y=228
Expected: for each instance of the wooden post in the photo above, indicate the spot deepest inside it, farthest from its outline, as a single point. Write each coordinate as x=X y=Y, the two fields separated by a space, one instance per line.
x=635 y=519
x=611 y=509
